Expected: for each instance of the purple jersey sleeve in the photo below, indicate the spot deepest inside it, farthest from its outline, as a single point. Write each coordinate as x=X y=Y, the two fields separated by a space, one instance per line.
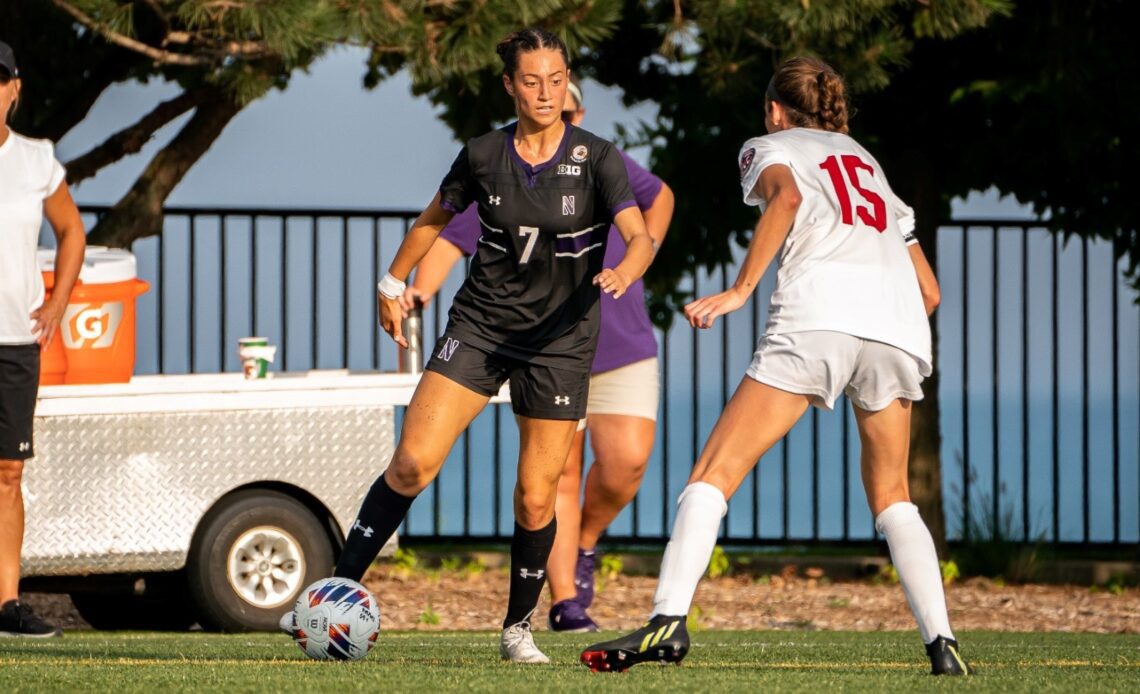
x=645 y=185
x=626 y=335
x=463 y=230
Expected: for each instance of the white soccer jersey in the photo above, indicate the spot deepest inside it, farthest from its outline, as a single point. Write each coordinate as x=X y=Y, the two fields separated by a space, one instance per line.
x=844 y=266
x=29 y=174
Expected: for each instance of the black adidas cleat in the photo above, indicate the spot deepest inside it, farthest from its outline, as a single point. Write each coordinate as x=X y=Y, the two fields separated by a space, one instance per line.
x=945 y=658
x=662 y=640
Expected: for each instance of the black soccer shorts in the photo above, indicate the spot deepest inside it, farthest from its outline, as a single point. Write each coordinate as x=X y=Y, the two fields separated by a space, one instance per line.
x=19 y=385
x=538 y=391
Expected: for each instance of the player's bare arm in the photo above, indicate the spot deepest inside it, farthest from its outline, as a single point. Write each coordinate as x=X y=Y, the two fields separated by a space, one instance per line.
x=71 y=240
x=659 y=214
x=778 y=187
x=927 y=282
x=414 y=247
x=431 y=271
x=638 y=255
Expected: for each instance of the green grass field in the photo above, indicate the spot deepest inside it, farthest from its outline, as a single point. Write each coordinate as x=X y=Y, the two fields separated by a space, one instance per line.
x=428 y=662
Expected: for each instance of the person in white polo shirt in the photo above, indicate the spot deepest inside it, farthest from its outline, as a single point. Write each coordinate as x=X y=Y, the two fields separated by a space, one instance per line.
x=32 y=187
x=849 y=314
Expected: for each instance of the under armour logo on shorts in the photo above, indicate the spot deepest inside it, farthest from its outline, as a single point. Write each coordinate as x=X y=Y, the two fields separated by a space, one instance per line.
x=448 y=349
x=561 y=399
x=496 y=199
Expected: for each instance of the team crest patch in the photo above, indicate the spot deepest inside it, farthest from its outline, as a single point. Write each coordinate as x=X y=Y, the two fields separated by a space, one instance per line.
x=579 y=153
x=746 y=158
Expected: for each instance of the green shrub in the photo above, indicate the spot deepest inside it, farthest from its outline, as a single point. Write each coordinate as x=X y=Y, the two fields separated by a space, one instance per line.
x=428 y=616
x=719 y=565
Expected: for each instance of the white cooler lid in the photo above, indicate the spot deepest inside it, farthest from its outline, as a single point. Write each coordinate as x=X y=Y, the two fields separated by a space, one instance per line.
x=101 y=265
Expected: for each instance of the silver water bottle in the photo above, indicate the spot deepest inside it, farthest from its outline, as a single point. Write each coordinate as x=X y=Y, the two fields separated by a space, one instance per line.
x=411 y=360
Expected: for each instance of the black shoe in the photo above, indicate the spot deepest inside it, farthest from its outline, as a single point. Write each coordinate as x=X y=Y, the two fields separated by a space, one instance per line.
x=945 y=658
x=662 y=640
x=17 y=619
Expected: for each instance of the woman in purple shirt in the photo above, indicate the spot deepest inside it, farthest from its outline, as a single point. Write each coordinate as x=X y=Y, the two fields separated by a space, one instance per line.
x=622 y=411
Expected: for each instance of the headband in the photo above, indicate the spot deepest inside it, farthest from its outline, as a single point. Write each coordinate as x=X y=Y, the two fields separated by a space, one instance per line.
x=576 y=92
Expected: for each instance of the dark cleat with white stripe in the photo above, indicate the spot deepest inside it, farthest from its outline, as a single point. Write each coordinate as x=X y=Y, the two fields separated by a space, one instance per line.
x=945 y=658
x=17 y=619
x=663 y=639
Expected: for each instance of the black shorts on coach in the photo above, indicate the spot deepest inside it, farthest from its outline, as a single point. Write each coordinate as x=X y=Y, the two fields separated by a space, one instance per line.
x=19 y=385
x=538 y=391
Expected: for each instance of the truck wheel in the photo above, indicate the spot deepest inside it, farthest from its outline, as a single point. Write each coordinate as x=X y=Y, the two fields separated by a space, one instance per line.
x=251 y=556
x=134 y=612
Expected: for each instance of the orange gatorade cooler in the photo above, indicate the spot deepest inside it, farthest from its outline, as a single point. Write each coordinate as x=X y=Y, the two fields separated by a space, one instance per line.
x=96 y=342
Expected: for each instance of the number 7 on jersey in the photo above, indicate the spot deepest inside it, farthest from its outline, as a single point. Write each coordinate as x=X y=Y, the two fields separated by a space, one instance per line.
x=531 y=235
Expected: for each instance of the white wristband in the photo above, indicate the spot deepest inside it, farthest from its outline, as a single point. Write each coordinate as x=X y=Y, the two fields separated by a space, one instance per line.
x=390 y=287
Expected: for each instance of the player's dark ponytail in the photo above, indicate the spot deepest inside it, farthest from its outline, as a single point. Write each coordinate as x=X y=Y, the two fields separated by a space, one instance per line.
x=812 y=93
x=525 y=41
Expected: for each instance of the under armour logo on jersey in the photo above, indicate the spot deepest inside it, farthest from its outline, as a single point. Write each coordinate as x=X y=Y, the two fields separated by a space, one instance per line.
x=366 y=531
x=538 y=573
x=495 y=199
x=567 y=204
x=25 y=446
x=561 y=399
x=448 y=349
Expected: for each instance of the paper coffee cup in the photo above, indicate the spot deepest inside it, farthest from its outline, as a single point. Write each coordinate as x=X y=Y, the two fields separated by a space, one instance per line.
x=256 y=354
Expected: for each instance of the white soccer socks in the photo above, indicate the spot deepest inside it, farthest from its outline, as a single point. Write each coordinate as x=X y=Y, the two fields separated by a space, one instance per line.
x=699 y=510
x=915 y=559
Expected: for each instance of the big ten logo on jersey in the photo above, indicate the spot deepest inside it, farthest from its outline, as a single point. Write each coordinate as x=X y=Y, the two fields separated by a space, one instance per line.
x=91 y=325
x=569 y=170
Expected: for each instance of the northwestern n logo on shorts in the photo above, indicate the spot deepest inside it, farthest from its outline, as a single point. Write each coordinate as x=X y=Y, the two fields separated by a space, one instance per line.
x=448 y=349
x=567 y=204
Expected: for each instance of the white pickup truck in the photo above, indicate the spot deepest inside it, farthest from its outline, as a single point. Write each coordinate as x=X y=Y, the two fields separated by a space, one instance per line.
x=214 y=499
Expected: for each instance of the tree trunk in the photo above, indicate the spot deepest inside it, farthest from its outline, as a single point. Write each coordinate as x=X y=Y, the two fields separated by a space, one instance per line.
x=139 y=212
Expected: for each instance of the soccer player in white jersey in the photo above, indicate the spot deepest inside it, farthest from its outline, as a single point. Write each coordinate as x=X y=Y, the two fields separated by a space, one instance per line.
x=850 y=313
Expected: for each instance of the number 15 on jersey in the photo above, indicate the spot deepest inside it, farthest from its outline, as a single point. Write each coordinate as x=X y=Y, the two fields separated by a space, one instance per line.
x=874 y=213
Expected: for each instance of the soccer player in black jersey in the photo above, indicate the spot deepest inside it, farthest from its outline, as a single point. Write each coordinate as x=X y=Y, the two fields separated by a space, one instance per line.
x=528 y=312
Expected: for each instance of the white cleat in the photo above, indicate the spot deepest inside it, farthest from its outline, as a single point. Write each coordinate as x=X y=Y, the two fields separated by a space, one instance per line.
x=286 y=623
x=517 y=645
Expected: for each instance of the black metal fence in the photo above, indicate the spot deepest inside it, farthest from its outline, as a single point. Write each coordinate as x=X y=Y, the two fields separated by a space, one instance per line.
x=1038 y=350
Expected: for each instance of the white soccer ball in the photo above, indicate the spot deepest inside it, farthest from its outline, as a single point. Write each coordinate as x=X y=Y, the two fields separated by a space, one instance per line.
x=336 y=619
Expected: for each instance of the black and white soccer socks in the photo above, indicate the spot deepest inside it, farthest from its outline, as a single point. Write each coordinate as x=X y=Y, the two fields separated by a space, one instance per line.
x=916 y=561
x=380 y=514
x=529 y=551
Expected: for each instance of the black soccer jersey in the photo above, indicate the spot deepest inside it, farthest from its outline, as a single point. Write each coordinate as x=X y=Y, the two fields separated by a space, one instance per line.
x=529 y=294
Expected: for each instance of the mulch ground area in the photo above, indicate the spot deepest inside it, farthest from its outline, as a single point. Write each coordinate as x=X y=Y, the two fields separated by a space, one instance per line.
x=476 y=600
x=409 y=601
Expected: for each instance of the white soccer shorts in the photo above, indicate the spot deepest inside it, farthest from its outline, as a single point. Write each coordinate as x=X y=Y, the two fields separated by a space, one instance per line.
x=822 y=364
